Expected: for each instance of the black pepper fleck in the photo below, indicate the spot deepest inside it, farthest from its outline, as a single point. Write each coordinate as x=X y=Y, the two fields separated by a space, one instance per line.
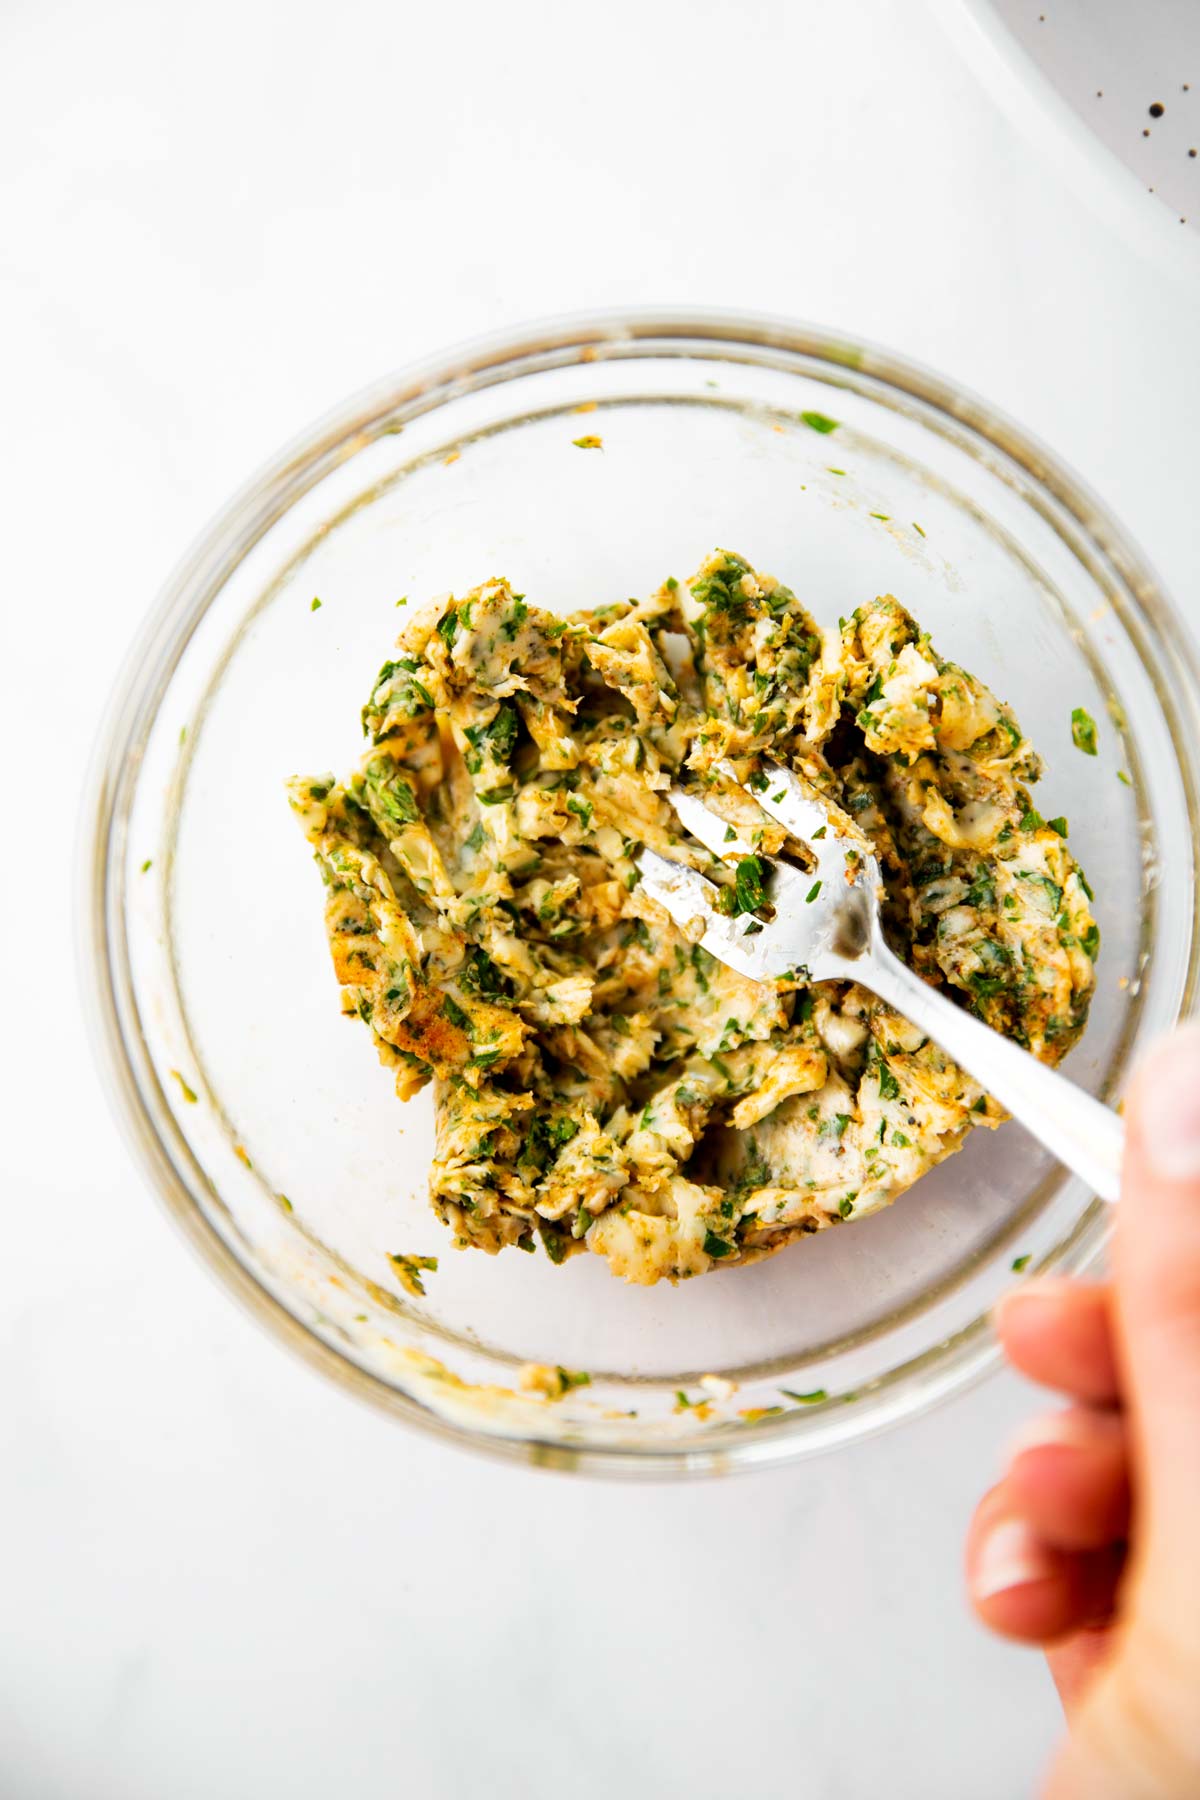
x=1157 y=110
x=1145 y=131
x=1191 y=153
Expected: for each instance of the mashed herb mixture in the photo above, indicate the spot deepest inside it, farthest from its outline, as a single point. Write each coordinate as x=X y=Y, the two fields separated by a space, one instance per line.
x=602 y=1083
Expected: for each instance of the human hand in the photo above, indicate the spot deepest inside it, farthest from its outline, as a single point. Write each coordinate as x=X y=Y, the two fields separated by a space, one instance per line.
x=1090 y=1544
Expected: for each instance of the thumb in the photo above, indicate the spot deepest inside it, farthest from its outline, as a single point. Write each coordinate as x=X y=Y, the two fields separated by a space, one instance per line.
x=1156 y=1271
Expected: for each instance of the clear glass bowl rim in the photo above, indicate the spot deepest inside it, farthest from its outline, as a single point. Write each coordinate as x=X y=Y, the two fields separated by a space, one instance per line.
x=121 y=1054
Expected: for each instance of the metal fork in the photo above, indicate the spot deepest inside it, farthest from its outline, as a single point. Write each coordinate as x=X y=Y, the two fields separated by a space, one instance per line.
x=827 y=922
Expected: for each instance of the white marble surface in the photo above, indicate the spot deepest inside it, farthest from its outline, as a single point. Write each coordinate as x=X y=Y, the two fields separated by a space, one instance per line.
x=218 y=1577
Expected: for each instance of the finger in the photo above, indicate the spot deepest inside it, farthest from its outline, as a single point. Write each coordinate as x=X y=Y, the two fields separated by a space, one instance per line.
x=1068 y=1478
x=1074 y=1662
x=1060 y=1333
x=1027 y=1589
x=1156 y=1294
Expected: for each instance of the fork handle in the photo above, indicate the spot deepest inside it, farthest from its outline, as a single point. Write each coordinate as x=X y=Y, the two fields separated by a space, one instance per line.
x=1082 y=1132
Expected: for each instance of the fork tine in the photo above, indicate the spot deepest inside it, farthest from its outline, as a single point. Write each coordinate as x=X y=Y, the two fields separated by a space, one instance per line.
x=688 y=896
x=795 y=804
x=708 y=826
x=684 y=893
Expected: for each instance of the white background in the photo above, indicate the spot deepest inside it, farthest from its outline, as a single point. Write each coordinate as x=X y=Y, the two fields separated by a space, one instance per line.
x=218 y=1577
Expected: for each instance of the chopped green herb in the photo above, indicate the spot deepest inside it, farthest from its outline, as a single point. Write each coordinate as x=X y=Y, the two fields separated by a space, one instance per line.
x=188 y=1093
x=812 y=893
x=553 y=1243
x=716 y=1246
x=1021 y=1262
x=391 y=794
x=820 y=422
x=482 y=976
x=315 y=607
x=748 y=892
x=496 y=738
x=1083 y=731
x=1050 y=887
x=982 y=891
x=455 y=1013
x=410 y=1269
x=812 y=1398
x=518 y=613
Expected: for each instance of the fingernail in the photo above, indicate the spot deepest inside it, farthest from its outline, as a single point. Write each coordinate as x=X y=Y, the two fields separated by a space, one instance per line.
x=1009 y=1557
x=1169 y=1105
x=1050 y=1428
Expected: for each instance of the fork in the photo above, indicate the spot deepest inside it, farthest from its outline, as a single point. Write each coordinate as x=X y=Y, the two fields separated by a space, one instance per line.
x=827 y=926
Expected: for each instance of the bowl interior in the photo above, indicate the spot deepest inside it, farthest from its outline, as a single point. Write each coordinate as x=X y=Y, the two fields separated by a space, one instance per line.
x=231 y=976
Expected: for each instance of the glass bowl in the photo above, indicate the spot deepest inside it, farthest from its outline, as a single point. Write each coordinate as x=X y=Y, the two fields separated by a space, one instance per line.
x=263 y=1117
